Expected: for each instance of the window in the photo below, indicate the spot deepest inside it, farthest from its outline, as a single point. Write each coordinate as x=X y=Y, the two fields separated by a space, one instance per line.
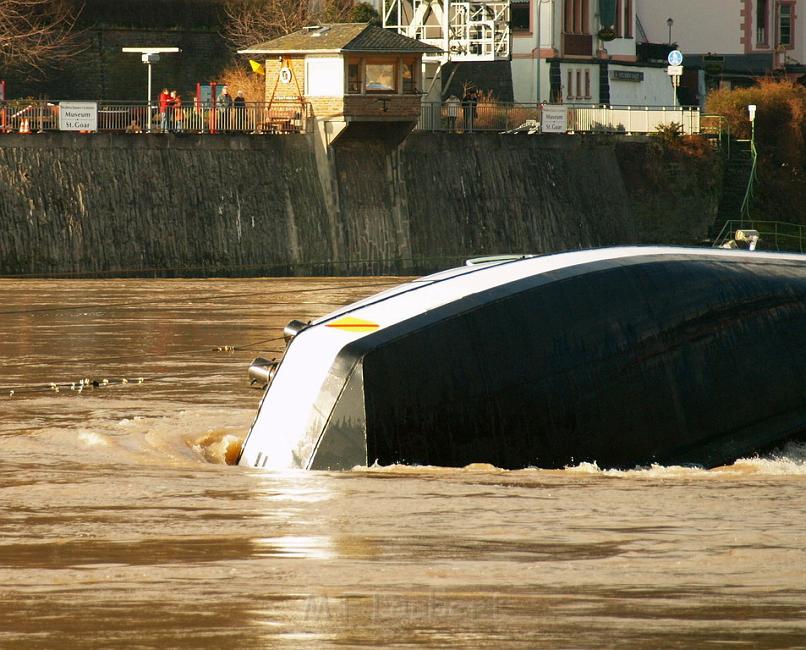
x=519 y=17
x=577 y=17
x=324 y=76
x=579 y=84
x=409 y=75
x=569 y=90
x=624 y=18
x=627 y=19
x=587 y=84
x=381 y=77
x=354 y=85
x=761 y=22
x=785 y=25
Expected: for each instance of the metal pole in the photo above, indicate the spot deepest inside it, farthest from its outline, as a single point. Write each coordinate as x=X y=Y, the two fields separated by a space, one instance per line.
x=539 y=12
x=148 y=100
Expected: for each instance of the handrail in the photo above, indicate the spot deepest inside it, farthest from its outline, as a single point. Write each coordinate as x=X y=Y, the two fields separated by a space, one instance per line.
x=783 y=235
x=39 y=116
x=581 y=118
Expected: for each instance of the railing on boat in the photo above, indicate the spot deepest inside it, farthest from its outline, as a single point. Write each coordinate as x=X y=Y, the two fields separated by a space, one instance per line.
x=773 y=235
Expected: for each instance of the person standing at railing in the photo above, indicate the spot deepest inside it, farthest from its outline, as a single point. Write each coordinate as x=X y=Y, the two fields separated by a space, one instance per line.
x=225 y=105
x=240 y=111
x=165 y=98
x=452 y=110
x=178 y=117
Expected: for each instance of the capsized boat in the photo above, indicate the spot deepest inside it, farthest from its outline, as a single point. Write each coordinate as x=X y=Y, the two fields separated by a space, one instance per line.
x=624 y=356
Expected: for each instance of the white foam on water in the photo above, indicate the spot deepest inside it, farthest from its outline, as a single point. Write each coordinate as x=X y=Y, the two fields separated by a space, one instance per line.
x=108 y=433
x=789 y=460
x=92 y=439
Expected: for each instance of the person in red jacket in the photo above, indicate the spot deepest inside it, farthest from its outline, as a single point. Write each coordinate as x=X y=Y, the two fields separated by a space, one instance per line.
x=165 y=101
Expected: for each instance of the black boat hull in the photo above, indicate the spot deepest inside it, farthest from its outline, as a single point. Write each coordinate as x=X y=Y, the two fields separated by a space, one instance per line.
x=623 y=362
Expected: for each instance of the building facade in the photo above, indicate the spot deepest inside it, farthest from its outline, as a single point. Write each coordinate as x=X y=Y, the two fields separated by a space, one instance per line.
x=347 y=74
x=584 y=51
x=734 y=42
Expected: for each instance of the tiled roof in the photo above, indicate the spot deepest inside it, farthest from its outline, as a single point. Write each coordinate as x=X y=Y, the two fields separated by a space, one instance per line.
x=342 y=37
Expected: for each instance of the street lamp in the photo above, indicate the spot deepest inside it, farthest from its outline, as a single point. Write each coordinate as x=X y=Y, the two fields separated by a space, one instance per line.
x=669 y=23
x=748 y=195
x=150 y=55
x=539 y=46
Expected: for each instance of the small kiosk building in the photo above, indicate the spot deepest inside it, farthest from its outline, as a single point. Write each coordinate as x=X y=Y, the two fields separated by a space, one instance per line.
x=348 y=75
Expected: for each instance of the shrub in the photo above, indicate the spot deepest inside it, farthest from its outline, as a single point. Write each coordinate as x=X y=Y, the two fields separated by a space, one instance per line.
x=669 y=134
x=780 y=118
x=239 y=77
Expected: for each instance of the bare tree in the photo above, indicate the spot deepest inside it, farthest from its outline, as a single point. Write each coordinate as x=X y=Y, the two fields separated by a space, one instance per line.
x=35 y=32
x=254 y=21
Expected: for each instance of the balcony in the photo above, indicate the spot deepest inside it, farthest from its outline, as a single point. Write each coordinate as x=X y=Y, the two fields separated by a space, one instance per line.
x=577 y=45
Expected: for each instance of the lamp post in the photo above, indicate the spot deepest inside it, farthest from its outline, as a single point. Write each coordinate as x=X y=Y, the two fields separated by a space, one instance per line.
x=669 y=23
x=748 y=195
x=150 y=55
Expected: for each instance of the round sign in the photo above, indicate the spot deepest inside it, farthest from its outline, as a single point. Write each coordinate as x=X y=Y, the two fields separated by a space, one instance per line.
x=675 y=57
x=285 y=75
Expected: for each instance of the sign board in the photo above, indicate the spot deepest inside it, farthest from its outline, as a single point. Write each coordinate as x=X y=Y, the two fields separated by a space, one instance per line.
x=626 y=75
x=78 y=116
x=554 y=119
x=713 y=63
x=674 y=70
x=675 y=58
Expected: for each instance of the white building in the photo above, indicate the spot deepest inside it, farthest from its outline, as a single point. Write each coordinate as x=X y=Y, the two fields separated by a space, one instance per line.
x=614 y=51
x=584 y=51
x=570 y=51
x=735 y=41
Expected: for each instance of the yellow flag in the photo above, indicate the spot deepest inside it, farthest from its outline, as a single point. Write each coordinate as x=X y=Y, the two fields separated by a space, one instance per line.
x=256 y=67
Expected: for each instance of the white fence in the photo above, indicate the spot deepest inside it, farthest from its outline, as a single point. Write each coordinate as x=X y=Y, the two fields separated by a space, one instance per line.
x=630 y=119
x=497 y=116
x=35 y=116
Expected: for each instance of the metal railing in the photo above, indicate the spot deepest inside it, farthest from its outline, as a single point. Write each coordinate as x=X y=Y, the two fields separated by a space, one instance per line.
x=22 y=116
x=717 y=128
x=483 y=117
x=631 y=119
x=499 y=116
x=773 y=235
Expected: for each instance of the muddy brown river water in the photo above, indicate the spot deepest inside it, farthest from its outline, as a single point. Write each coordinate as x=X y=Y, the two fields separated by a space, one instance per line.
x=122 y=525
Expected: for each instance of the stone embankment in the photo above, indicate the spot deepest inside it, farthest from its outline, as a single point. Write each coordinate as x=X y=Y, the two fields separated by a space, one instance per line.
x=240 y=205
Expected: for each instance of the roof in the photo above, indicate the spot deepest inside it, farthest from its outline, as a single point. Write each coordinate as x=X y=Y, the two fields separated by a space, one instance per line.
x=342 y=37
